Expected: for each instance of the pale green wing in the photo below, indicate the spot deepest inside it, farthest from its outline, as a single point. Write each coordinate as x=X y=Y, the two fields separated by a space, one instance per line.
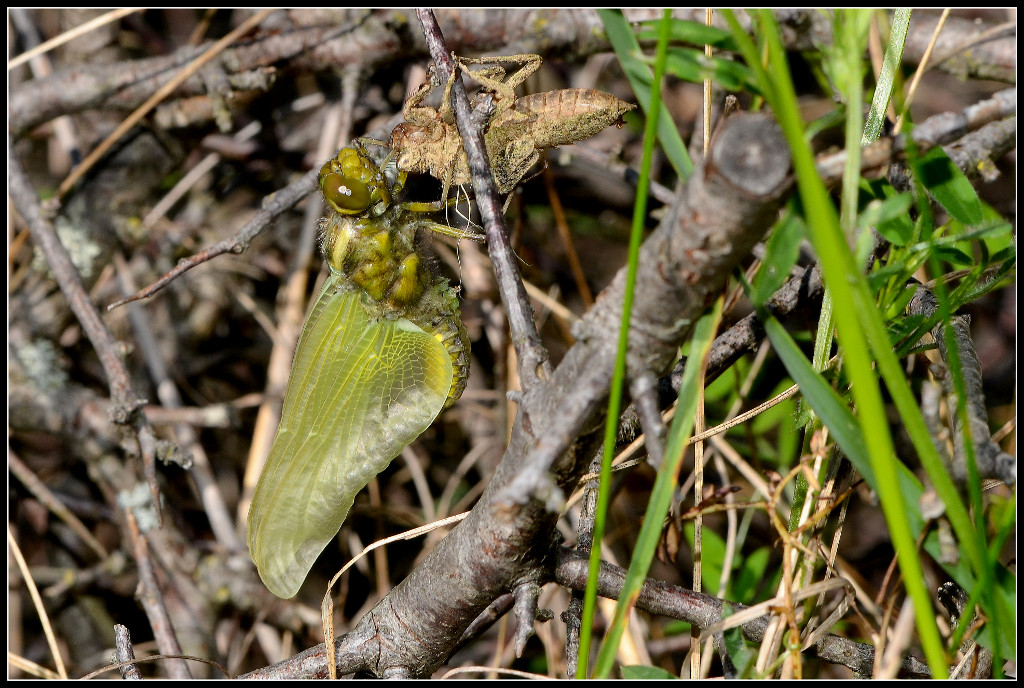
x=360 y=391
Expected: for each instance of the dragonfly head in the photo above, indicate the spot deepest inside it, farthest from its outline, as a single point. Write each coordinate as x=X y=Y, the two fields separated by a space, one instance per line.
x=352 y=183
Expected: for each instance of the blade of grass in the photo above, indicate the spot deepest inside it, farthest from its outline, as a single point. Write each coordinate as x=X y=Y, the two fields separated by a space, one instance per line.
x=664 y=486
x=860 y=322
x=949 y=186
x=887 y=75
x=833 y=412
x=615 y=394
x=627 y=49
x=693 y=32
x=857 y=324
x=955 y=370
x=986 y=570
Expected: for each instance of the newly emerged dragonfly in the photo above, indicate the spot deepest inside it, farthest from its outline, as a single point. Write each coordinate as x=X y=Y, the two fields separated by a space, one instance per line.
x=382 y=353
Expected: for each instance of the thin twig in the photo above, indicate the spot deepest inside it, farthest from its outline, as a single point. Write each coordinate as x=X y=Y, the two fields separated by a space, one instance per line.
x=566 y=237
x=152 y=601
x=919 y=72
x=221 y=523
x=168 y=88
x=991 y=460
x=274 y=206
x=534 y=365
x=704 y=611
x=37 y=601
x=126 y=401
x=42 y=493
x=937 y=130
x=70 y=35
x=64 y=129
x=123 y=652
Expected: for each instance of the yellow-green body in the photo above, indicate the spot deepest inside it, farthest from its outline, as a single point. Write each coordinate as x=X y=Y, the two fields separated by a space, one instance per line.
x=382 y=353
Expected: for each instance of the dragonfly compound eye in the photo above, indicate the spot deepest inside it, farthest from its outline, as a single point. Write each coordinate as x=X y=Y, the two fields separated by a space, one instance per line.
x=346 y=195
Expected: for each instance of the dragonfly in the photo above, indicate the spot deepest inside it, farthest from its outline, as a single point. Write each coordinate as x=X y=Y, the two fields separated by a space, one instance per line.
x=382 y=352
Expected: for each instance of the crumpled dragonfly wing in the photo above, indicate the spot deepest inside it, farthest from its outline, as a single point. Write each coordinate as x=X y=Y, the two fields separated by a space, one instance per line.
x=360 y=391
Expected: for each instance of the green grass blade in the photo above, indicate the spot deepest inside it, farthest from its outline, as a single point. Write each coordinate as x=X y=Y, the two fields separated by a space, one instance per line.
x=664 y=486
x=949 y=186
x=627 y=49
x=858 y=325
x=692 y=32
x=887 y=76
x=615 y=394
